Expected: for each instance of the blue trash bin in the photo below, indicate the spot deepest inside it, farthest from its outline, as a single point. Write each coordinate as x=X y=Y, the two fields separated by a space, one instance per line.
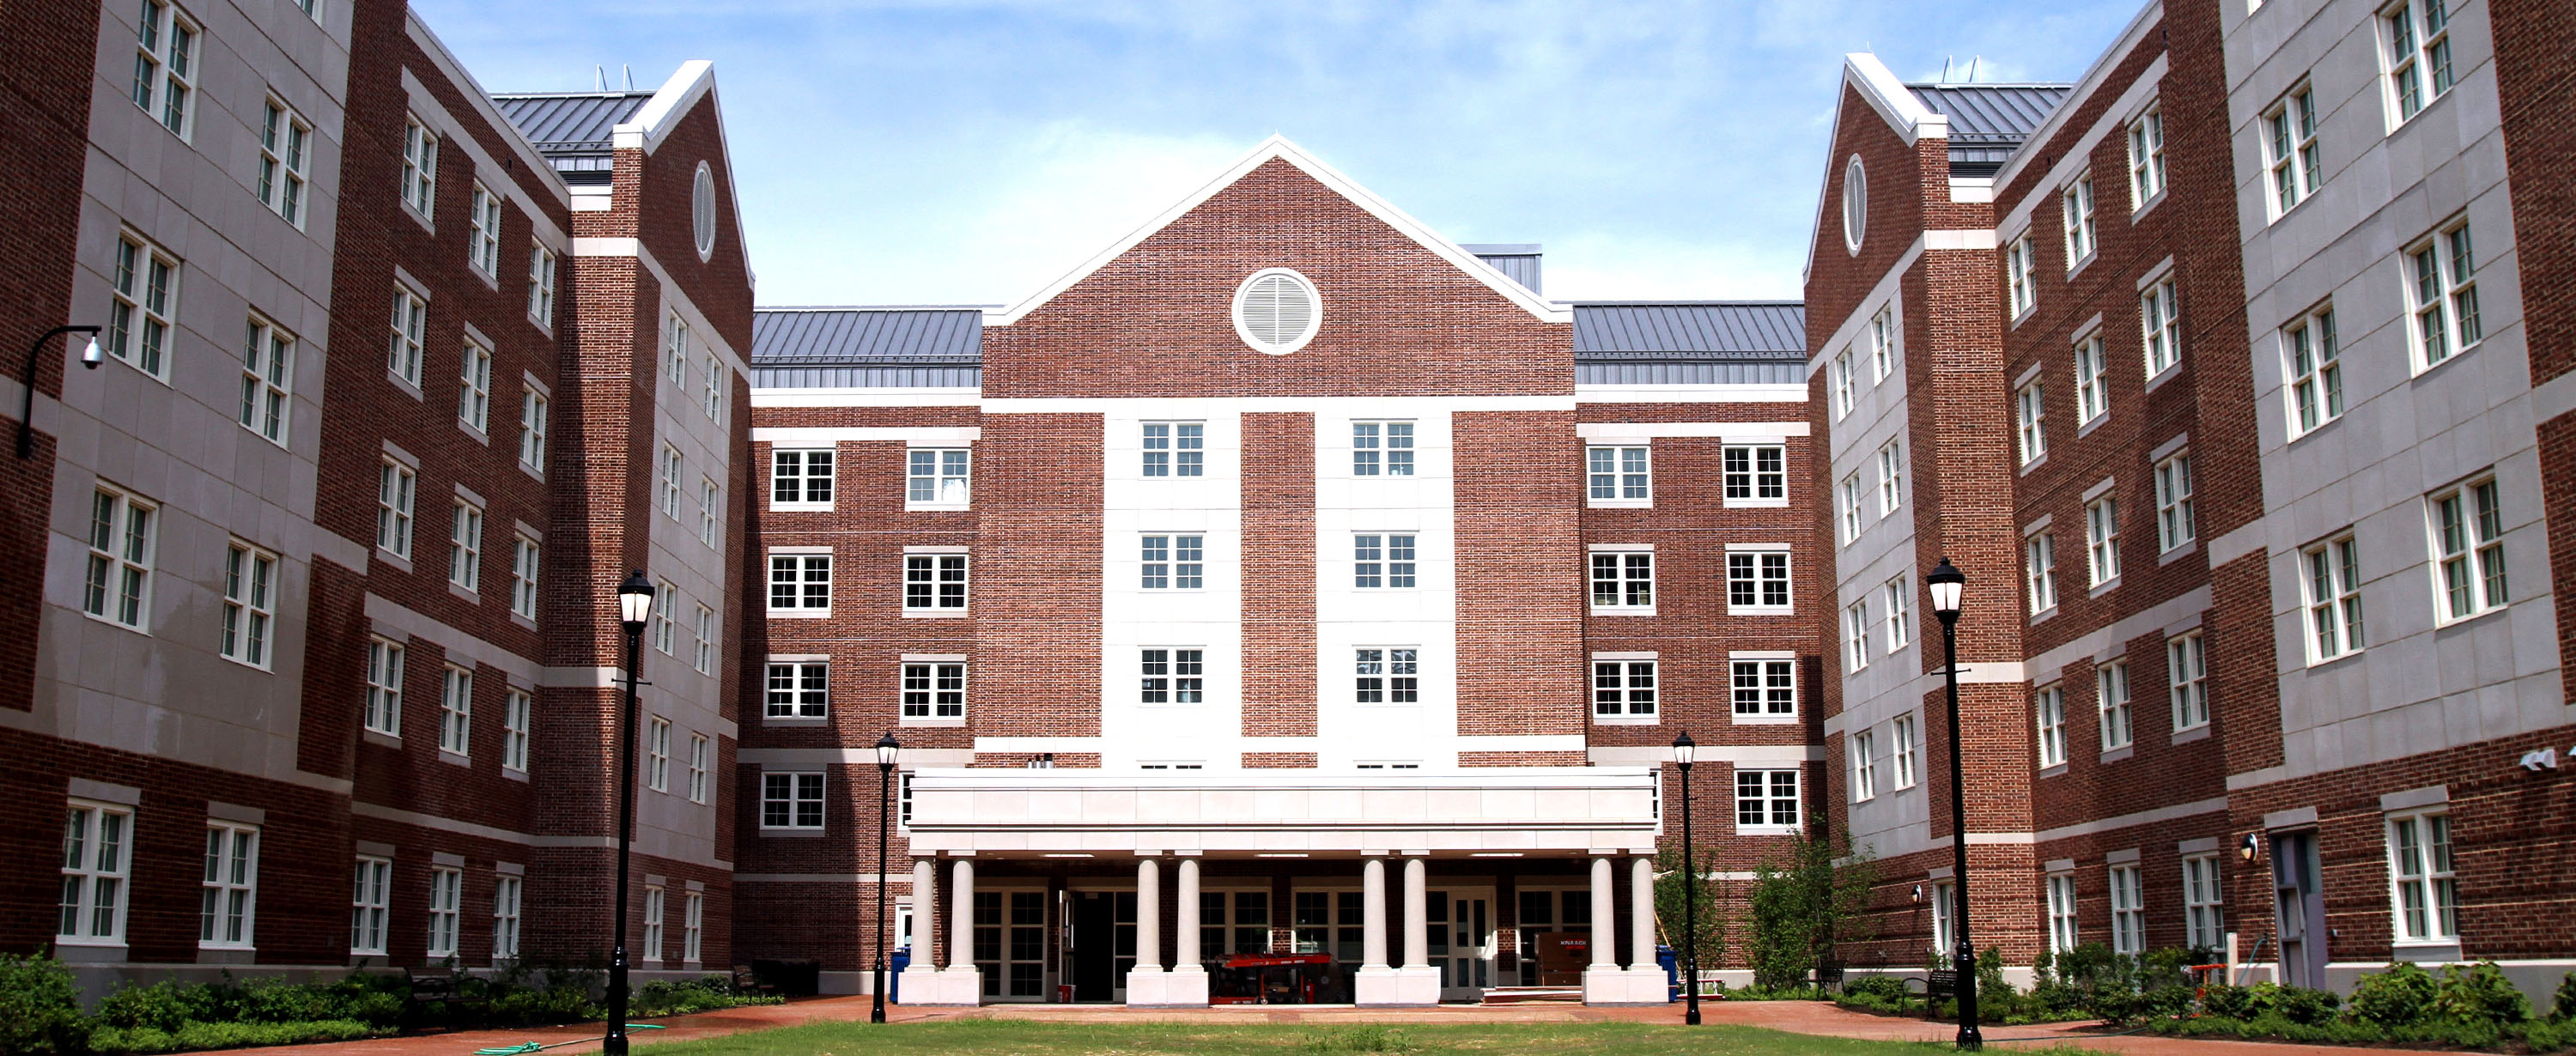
x=895 y=965
x=1672 y=963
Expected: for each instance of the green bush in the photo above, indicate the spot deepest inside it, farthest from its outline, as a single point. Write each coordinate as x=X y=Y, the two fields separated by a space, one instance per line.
x=1881 y=986
x=2479 y=993
x=2231 y=1002
x=39 y=1007
x=2400 y=996
x=2550 y=1035
x=193 y=1035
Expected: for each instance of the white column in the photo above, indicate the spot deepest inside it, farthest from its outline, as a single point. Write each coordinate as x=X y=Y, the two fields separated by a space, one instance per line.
x=1417 y=916
x=1641 y=884
x=1149 y=915
x=1605 y=932
x=1373 y=914
x=958 y=983
x=961 y=915
x=1185 y=938
x=925 y=914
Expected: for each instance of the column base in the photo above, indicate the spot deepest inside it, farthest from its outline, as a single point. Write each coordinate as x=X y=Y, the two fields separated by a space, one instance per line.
x=944 y=987
x=1182 y=987
x=1382 y=985
x=1625 y=987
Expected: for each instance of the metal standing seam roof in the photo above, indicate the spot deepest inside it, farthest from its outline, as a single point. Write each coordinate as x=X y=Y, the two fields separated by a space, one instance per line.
x=908 y=336
x=1989 y=121
x=1689 y=331
x=570 y=121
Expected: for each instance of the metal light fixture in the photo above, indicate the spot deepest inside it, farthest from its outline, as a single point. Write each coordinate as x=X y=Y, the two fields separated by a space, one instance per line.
x=1686 y=751
x=887 y=749
x=1918 y=893
x=1946 y=584
x=635 y=602
x=90 y=357
x=634 y=609
x=2248 y=849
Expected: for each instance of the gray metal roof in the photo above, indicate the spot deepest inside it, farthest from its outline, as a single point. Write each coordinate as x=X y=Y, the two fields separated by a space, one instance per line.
x=897 y=336
x=1689 y=331
x=1989 y=121
x=1518 y=261
x=569 y=121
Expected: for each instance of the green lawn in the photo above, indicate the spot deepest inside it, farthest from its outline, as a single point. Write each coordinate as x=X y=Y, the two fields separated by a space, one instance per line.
x=1024 y=1038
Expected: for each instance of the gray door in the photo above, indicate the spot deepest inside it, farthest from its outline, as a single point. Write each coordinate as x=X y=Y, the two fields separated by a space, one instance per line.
x=2299 y=906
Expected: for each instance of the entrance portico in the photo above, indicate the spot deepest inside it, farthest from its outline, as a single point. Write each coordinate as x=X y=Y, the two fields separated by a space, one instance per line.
x=1113 y=846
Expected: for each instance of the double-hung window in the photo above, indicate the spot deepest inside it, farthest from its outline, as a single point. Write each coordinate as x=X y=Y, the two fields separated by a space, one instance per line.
x=2111 y=698
x=465 y=547
x=2424 y=896
x=283 y=148
x=1901 y=752
x=668 y=487
x=532 y=431
x=446 y=900
x=2021 y=276
x=1899 y=593
x=1864 y=766
x=1619 y=476
x=933 y=477
x=2039 y=562
x=541 y=284
x=2146 y=159
x=933 y=691
x=2202 y=902
x=1172 y=676
x=1387 y=675
x=250 y=605
x=2092 y=380
x=2468 y=549
x=1757 y=580
x=384 y=686
x=1175 y=449
x=517 y=721
x=2076 y=203
x=2050 y=703
x=1623 y=689
x=2061 y=913
x=123 y=534
x=693 y=926
x=698 y=762
x=657 y=754
x=2316 y=371
x=2160 y=325
x=801 y=479
x=1844 y=393
x=1755 y=474
x=710 y=510
x=802 y=582
x=1382 y=447
x=1766 y=799
x=142 y=296
x=1623 y=581
x=717 y=395
x=1763 y=687
x=2442 y=291
x=474 y=389
x=483 y=232
x=1384 y=561
x=934 y=583
x=1882 y=345
x=403 y=350
x=268 y=380
x=2176 y=523
x=2290 y=142
x=666 y=618
x=2334 y=597
x=803 y=690
x=2128 y=911
x=1856 y=635
x=506 y=889
x=456 y=710
x=2419 y=54
x=165 y=66
x=420 y=167
x=370 y=902
x=523 y=576
x=1891 y=477
x=2030 y=415
x=97 y=841
x=1173 y=562
x=394 y=485
x=1849 y=498
x=2102 y=540
x=225 y=906
x=2187 y=677
x=705 y=660
x=791 y=800
x=675 y=352
x=1944 y=922
x=653 y=902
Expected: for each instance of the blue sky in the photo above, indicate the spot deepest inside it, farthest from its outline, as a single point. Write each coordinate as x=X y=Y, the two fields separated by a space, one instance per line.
x=967 y=152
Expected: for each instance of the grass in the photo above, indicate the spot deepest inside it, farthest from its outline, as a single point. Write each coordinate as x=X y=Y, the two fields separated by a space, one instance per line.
x=1027 y=1038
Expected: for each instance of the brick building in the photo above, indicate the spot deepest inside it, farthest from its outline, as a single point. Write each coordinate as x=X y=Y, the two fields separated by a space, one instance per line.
x=2219 y=375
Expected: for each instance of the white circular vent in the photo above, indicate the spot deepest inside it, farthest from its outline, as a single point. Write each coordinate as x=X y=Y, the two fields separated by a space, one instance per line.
x=1855 y=203
x=702 y=208
x=1277 y=311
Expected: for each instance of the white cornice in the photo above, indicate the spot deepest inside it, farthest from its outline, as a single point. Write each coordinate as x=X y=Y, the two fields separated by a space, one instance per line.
x=1892 y=99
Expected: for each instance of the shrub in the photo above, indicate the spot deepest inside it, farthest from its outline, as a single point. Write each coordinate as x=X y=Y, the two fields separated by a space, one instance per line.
x=161 y=1006
x=39 y=1007
x=2304 y=1006
x=2231 y=1002
x=2400 y=996
x=2479 y=993
x=2549 y=1035
x=2564 y=1007
x=194 y=1035
x=1879 y=986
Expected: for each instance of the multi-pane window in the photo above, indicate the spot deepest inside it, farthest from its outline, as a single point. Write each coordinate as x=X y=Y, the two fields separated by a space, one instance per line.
x=1766 y=799
x=523 y=576
x=1764 y=688
x=1757 y=579
x=370 y=901
x=800 y=581
x=250 y=604
x=1944 y=923
x=483 y=232
x=1856 y=635
x=934 y=582
x=803 y=690
x=284 y=141
x=2175 y=522
x=2128 y=911
x=2468 y=549
x=506 y=891
x=1384 y=561
x=675 y=351
x=1173 y=562
x=420 y=167
x=2039 y=563
x=516 y=722
x=800 y=478
x=1864 y=766
x=224 y=903
x=2443 y=292
x=2111 y=698
x=2419 y=53
x=1387 y=676
x=668 y=488
x=2102 y=540
x=1891 y=477
x=2160 y=325
x=1619 y=474
x=1175 y=449
x=2187 y=677
x=1623 y=579
x=657 y=754
x=446 y=896
x=2334 y=597
x=402 y=352
x=2202 y=898
x=2424 y=895
x=541 y=284
x=2021 y=275
x=2050 y=703
x=2316 y=371
x=1623 y=689
x=96 y=846
x=268 y=379
x=474 y=389
x=693 y=926
x=2077 y=206
x=705 y=661
x=384 y=686
x=532 y=430
x=1849 y=498
x=1382 y=447
x=2290 y=142
x=792 y=802
x=1882 y=345
x=666 y=618
x=2061 y=913
x=1756 y=471
x=143 y=293
x=165 y=66
x=123 y=533
x=1899 y=594
x=2030 y=415
x=932 y=476
x=2092 y=380
x=717 y=394
x=710 y=510
x=698 y=762
x=1172 y=676
x=2146 y=158
x=931 y=691
x=465 y=546
x=456 y=710
x=1844 y=393
x=1901 y=751
x=394 y=484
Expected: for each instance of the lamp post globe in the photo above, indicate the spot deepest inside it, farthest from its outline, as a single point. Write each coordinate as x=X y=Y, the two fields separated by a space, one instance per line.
x=1685 y=752
x=887 y=750
x=634 y=610
x=1946 y=585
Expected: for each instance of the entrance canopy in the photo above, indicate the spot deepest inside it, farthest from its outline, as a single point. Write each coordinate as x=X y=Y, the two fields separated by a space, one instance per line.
x=1496 y=811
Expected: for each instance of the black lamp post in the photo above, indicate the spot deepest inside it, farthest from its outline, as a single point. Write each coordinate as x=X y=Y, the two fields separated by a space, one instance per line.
x=1946 y=584
x=1684 y=750
x=634 y=609
x=90 y=358
x=887 y=749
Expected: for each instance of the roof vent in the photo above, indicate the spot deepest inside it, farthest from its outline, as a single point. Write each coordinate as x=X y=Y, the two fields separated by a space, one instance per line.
x=1277 y=311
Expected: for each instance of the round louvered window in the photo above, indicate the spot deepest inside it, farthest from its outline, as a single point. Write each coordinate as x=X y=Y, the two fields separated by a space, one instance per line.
x=1277 y=311
x=702 y=208
x=1855 y=203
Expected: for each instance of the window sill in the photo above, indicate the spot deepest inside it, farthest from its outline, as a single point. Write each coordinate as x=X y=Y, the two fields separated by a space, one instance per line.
x=543 y=326
x=800 y=614
x=418 y=217
x=1766 y=830
x=1757 y=504
x=2032 y=464
x=1623 y=610
x=2189 y=547
x=396 y=560
x=1766 y=720
x=2330 y=661
x=1760 y=610
x=455 y=758
x=1619 y=504
x=953 y=724
x=934 y=507
x=508 y=774
x=2296 y=436
x=467 y=593
x=245 y=663
x=480 y=436
x=2158 y=379
x=2153 y=200
x=2113 y=755
x=2082 y=263
x=1627 y=720
x=2086 y=427
x=408 y=387
x=2042 y=614
x=522 y=619
x=798 y=720
x=2438 y=624
x=914 y=614
x=2196 y=733
x=2052 y=770
x=2027 y=311
x=2422 y=369
x=532 y=471
x=380 y=739
x=811 y=833
x=2425 y=952
x=2104 y=587
x=491 y=281
x=800 y=507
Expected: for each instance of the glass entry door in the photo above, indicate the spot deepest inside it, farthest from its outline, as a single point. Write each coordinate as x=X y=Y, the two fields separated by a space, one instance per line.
x=1461 y=943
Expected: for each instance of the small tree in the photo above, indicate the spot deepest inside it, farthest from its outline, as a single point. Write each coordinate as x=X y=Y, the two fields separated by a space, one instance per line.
x=1804 y=907
x=1671 y=884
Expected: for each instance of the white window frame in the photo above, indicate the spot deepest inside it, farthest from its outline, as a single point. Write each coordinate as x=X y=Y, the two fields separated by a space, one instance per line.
x=143 y=295
x=2092 y=380
x=803 y=473
x=1891 y=478
x=2146 y=159
x=1383 y=448
x=541 y=285
x=1883 y=345
x=396 y=485
x=937 y=478
x=456 y=710
x=2421 y=864
x=1171 y=562
x=2442 y=295
x=2289 y=136
x=926 y=688
x=2313 y=362
x=789 y=794
x=2177 y=520
x=419 y=187
x=1901 y=752
x=2021 y=277
x=1386 y=560
x=168 y=48
x=2030 y=408
x=1856 y=625
x=675 y=351
x=2467 y=529
x=2204 y=897
x=805 y=571
x=931 y=571
x=2415 y=55
x=370 y=905
x=2039 y=561
x=1383 y=673
x=2049 y=703
x=508 y=895
x=693 y=922
x=474 y=389
x=1759 y=566
x=697 y=763
x=2187 y=679
x=1171 y=676
x=2062 y=933
x=268 y=381
x=798 y=689
x=483 y=232
x=2111 y=701
x=654 y=898
x=1172 y=449
x=1899 y=594
x=1769 y=798
x=2160 y=325
x=1943 y=928
x=1845 y=395
x=2102 y=541
x=1849 y=499
x=711 y=509
x=445 y=911
x=410 y=336
x=704 y=661
x=124 y=547
x=666 y=618
x=2082 y=237
x=718 y=389
x=1864 y=766
x=250 y=605
x=2330 y=582
x=1630 y=580
x=1764 y=475
x=518 y=708
x=669 y=484
x=228 y=892
x=2128 y=910
x=1762 y=688
x=97 y=863
x=465 y=546
x=525 y=562
x=1619 y=476
x=657 y=753
x=384 y=686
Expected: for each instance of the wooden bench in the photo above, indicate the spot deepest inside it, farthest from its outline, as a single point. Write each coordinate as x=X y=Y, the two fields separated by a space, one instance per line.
x=441 y=989
x=746 y=981
x=1938 y=984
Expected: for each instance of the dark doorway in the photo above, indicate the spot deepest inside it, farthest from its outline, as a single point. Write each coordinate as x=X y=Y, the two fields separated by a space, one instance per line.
x=2300 y=908
x=1093 y=917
